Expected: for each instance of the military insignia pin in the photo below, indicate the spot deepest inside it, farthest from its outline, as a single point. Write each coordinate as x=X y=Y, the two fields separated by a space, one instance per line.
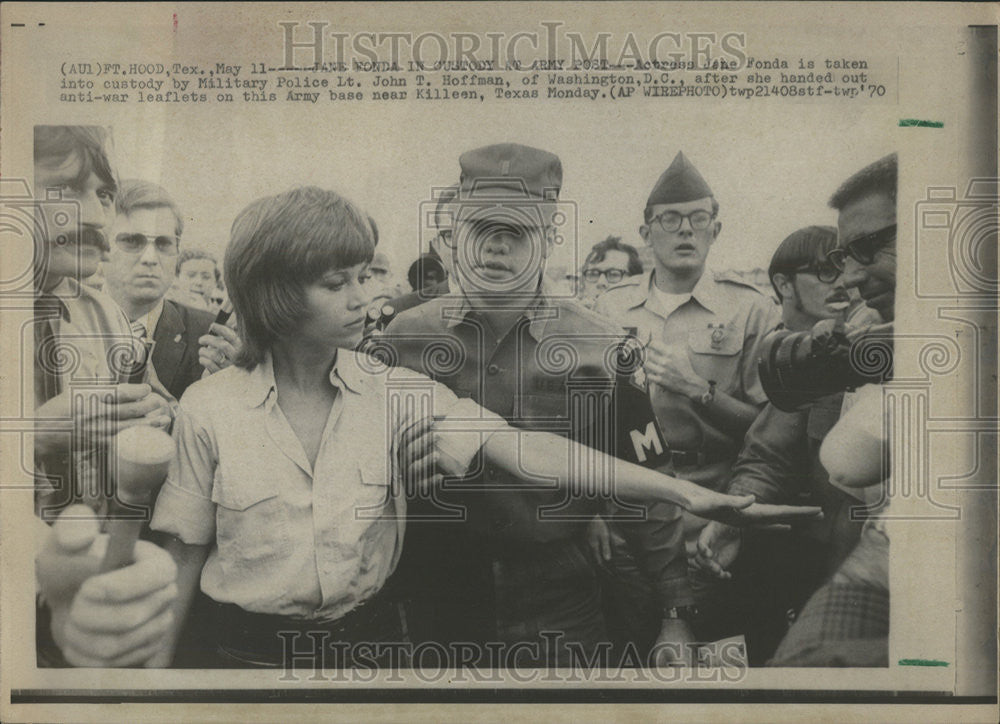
x=718 y=334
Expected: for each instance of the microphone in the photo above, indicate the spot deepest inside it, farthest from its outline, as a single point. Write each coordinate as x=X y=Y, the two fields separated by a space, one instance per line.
x=142 y=456
x=225 y=312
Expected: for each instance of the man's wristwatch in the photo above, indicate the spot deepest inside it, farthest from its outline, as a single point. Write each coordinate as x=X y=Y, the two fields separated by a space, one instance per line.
x=683 y=613
x=709 y=394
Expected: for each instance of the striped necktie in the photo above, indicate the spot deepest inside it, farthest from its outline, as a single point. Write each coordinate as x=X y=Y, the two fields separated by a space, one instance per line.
x=139 y=329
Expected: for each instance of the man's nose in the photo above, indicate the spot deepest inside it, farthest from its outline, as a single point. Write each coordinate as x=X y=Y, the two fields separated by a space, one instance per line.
x=149 y=256
x=498 y=243
x=854 y=273
x=94 y=213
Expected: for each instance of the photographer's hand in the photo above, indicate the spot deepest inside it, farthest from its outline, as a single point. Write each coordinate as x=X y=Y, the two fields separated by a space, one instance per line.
x=119 y=618
x=123 y=406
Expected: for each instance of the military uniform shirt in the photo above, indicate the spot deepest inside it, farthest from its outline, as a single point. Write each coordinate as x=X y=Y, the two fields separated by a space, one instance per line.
x=553 y=370
x=721 y=326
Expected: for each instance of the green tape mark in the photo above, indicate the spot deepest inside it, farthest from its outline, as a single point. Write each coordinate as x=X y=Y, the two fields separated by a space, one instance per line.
x=908 y=122
x=922 y=662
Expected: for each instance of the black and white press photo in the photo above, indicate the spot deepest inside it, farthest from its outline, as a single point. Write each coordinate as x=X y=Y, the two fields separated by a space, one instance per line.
x=385 y=358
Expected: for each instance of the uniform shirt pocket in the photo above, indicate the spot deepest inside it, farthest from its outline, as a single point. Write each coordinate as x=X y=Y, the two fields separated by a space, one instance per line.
x=375 y=489
x=716 y=340
x=251 y=521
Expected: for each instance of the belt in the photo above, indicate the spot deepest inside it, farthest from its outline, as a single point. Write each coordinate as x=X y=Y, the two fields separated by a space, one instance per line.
x=693 y=458
x=254 y=637
x=534 y=550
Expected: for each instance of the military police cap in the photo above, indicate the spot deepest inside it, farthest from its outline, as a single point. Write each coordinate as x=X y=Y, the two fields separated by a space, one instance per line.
x=679 y=183
x=510 y=170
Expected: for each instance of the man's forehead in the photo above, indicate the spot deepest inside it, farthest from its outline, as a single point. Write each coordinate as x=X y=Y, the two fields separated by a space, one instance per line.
x=144 y=217
x=200 y=263
x=502 y=219
x=613 y=259
x=865 y=215
x=71 y=168
x=683 y=207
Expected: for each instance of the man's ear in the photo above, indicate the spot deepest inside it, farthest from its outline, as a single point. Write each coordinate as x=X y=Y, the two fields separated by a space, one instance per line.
x=644 y=233
x=715 y=232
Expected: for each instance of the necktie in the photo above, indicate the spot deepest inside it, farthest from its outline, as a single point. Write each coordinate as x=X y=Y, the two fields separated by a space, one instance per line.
x=143 y=346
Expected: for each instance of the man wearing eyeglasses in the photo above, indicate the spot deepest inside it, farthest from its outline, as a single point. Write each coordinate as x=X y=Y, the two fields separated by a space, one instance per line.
x=775 y=572
x=846 y=622
x=145 y=239
x=608 y=263
x=702 y=331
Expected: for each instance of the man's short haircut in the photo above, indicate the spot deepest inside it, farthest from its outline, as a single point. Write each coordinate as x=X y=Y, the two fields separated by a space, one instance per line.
x=801 y=248
x=880 y=177
x=91 y=144
x=600 y=250
x=647 y=213
x=138 y=194
x=415 y=274
x=278 y=246
x=192 y=254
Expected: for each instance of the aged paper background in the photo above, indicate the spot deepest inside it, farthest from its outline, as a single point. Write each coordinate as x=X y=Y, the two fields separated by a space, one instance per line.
x=773 y=162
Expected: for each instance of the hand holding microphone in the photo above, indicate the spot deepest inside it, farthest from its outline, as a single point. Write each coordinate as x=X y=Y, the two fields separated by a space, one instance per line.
x=221 y=345
x=110 y=596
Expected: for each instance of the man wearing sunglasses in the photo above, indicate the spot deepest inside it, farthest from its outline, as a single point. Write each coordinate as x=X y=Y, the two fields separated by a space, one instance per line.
x=702 y=332
x=867 y=255
x=145 y=241
x=775 y=572
x=846 y=622
x=608 y=263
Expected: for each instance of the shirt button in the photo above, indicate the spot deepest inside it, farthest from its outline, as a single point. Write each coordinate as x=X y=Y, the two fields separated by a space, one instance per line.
x=492 y=369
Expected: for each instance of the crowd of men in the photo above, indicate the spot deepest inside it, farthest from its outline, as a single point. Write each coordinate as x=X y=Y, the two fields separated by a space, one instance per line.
x=525 y=564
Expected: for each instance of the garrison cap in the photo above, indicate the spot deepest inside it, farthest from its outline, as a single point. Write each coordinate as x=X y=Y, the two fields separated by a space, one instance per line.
x=679 y=183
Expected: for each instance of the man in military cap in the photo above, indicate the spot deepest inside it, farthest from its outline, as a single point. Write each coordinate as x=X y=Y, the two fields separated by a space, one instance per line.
x=514 y=569
x=702 y=332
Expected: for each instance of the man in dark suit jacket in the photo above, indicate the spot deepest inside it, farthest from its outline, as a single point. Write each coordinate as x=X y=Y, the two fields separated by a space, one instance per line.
x=175 y=354
x=145 y=241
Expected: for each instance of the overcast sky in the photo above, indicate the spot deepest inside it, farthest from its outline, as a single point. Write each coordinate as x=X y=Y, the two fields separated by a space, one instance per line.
x=771 y=166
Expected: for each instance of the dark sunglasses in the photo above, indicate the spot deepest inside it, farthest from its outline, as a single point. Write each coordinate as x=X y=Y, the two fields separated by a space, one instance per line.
x=136 y=243
x=862 y=249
